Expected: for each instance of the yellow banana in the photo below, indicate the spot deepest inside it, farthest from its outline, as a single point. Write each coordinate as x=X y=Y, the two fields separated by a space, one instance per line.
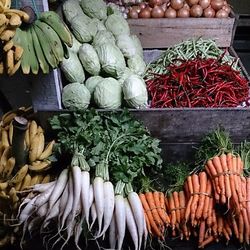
x=1 y=7
x=46 y=179
x=8 y=45
x=18 y=186
x=26 y=182
x=7 y=34
x=48 y=151
x=3 y=195
x=34 y=148
x=3 y=19
x=11 y=133
x=18 y=52
x=8 y=117
x=9 y=167
x=34 y=180
x=10 y=61
x=13 y=195
x=3 y=28
x=39 y=129
x=32 y=129
x=19 y=176
x=15 y=21
x=40 y=178
x=3 y=185
x=5 y=140
x=27 y=138
x=40 y=144
x=1 y=68
x=15 y=68
x=5 y=156
x=24 y=16
x=43 y=166
x=6 y=4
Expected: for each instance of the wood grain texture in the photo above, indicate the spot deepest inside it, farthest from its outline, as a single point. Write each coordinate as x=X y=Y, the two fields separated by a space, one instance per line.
x=166 y=32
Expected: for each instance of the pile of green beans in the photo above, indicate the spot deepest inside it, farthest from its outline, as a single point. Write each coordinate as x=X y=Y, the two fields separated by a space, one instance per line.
x=187 y=50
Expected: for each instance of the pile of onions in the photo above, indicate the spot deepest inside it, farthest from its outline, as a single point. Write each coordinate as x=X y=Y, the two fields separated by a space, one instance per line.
x=180 y=8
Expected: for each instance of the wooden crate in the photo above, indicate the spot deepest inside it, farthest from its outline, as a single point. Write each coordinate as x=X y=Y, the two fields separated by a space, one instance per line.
x=166 y=32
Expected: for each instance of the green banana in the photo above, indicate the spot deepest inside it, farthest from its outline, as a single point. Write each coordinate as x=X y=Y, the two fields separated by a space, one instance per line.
x=57 y=24
x=21 y=39
x=53 y=38
x=39 y=52
x=32 y=54
x=46 y=47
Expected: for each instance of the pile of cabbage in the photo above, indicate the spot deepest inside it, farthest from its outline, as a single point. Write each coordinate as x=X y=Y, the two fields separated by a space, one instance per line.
x=105 y=64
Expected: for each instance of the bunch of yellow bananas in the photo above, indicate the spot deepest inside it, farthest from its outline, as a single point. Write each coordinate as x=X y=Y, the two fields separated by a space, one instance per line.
x=10 y=20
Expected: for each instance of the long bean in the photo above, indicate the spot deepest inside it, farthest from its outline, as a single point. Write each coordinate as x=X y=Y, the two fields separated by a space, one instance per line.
x=187 y=50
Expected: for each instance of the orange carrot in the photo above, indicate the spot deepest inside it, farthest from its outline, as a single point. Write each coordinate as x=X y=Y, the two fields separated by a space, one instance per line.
x=166 y=203
x=182 y=200
x=196 y=186
x=160 y=207
x=172 y=209
x=219 y=170
x=220 y=225
x=248 y=198
x=213 y=172
x=147 y=210
x=206 y=242
x=246 y=225
x=235 y=227
x=163 y=205
x=177 y=206
x=223 y=160
x=228 y=228
x=147 y=222
x=210 y=213
x=190 y=184
x=207 y=198
x=203 y=187
x=202 y=230
x=215 y=225
x=226 y=235
x=190 y=201
x=150 y=199
x=244 y=191
x=239 y=165
x=241 y=228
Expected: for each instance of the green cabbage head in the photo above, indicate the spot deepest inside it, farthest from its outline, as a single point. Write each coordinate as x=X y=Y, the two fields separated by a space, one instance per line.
x=103 y=36
x=135 y=92
x=137 y=65
x=75 y=96
x=92 y=82
x=117 y=25
x=94 y=8
x=108 y=94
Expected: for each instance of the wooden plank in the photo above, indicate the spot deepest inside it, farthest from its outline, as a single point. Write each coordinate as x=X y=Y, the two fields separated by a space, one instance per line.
x=166 y=32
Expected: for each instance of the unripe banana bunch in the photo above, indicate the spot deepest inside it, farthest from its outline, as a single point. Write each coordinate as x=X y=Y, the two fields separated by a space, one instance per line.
x=10 y=20
x=44 y=43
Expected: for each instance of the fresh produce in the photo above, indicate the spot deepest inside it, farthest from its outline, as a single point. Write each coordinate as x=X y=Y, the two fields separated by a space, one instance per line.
x=180 y=9
x=112 y=149
x=43 y=43
x=95 y=8
x=198 y=83
x=107 y=50
x=10 y=53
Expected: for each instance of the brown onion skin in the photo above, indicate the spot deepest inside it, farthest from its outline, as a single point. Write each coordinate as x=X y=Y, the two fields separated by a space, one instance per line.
x=204 y=3
x=186 y=6
x=157 y=12
x=217 y=4
x=196 y=11
x=177 y=4
x=227 y=8
x=170 y=13
x=143 y=5
x=209 y=12
x=192 y=2
x=221 y=14
x=145 y=13
x=153 y=3
x=136 y=8
x=183 y=13
x=133 y=14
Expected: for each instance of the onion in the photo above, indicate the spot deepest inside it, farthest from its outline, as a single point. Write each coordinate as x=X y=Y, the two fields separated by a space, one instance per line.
x=227 y=8
x=192 y=2
x=209 y=12
x=177 y=4
x=204 y=3
x=145 y=13
x=221 y=14
x=157 y=12
x=133 y=14
x=153 y=3
x=196 y=11
x=217 y=4
x=142 y=5
x=183 y=12
x=170 y=13
x=136 y=8
x=186 y=6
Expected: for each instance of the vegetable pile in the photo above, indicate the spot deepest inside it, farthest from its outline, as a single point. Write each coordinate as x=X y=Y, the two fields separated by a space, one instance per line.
x=105 y=63
x=198 y=83
x=105 y=149
x=180 y=8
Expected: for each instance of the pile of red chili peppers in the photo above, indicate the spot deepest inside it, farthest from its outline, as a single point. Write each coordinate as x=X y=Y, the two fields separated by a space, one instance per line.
x=198 y=83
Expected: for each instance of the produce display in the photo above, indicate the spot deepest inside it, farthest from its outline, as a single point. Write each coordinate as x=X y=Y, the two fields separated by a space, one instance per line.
x=24 y=162
x=180 y=8
x=10 y=53
x=105 y=64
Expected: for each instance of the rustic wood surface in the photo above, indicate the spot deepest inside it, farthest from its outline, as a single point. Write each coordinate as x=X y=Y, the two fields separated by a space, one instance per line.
x=166 y=32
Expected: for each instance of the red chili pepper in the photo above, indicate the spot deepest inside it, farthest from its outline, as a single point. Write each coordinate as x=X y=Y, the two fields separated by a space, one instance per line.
x=198 y=83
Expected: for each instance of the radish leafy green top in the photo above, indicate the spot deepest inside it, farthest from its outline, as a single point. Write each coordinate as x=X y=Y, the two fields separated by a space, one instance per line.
x=115 y=138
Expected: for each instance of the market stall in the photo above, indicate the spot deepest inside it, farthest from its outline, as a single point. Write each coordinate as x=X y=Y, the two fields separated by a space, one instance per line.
x=148 y=147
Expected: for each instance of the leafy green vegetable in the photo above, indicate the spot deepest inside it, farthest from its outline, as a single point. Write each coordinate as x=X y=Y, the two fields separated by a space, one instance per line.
x=115 y=138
